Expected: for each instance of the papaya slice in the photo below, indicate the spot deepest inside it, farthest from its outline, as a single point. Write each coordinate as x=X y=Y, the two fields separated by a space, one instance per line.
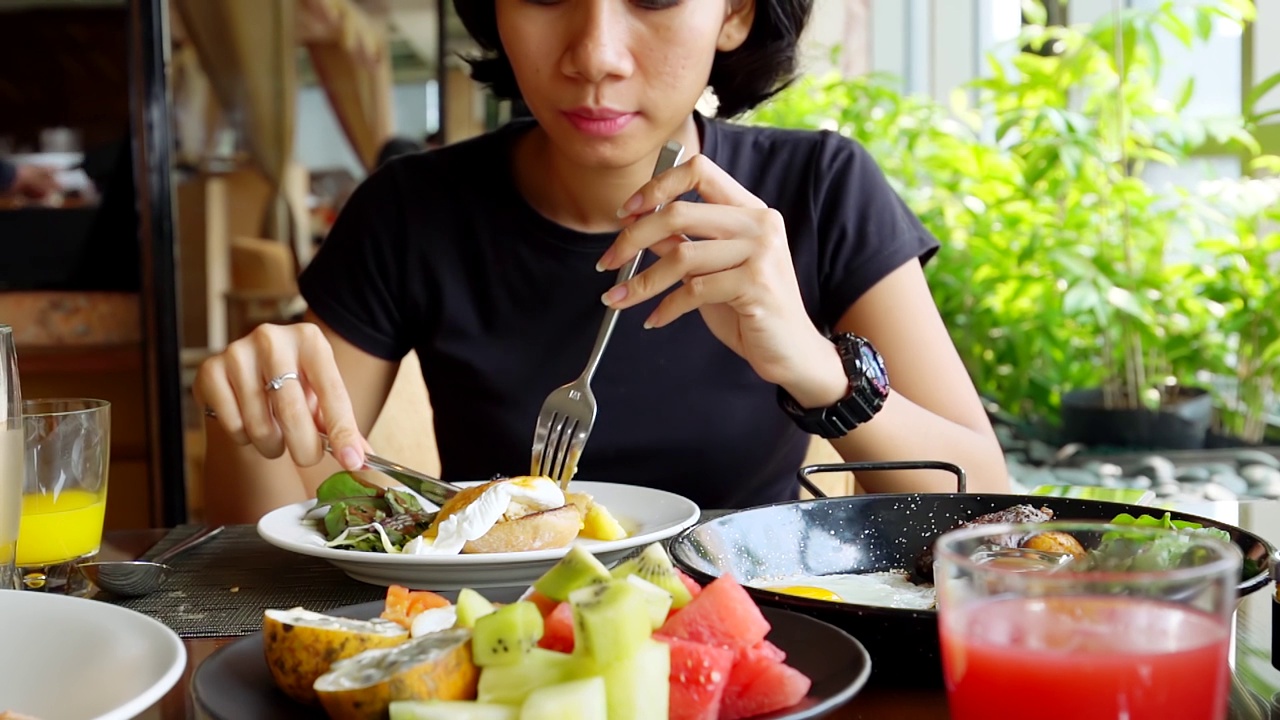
x=436 y=666
x=301 y=645
x=403 y=605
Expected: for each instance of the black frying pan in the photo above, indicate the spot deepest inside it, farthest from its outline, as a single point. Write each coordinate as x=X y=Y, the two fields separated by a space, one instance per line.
x=878 y=532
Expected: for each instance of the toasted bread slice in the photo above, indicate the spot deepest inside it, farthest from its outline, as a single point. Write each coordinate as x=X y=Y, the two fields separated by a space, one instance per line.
x=539 y=531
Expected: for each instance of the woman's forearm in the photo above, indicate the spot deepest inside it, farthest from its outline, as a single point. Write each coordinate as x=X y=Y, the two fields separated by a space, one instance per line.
x=903 y=430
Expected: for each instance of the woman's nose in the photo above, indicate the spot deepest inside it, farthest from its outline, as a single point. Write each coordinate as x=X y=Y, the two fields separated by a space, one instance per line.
x=599 y=44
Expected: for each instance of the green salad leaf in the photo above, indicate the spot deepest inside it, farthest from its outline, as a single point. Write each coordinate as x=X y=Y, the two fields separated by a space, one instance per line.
x=1123 y=551
x=341 y=485
x=1167 y=522
x=358 y=515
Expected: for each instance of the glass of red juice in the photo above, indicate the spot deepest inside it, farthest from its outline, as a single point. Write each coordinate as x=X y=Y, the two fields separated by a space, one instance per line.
x=1086 y=621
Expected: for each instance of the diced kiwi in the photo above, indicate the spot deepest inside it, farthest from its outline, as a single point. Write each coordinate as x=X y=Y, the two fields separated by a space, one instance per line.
x=654 y=565
x=610 y=621
x=511 y=684
x=471 y=606
x=451 y=710
x=638 y=687
x=657 y=600
x=505 y=635
x=578 y=568
x=583 y=699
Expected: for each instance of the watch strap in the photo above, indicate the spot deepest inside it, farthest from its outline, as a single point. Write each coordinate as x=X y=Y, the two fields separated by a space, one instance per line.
x=868 y=389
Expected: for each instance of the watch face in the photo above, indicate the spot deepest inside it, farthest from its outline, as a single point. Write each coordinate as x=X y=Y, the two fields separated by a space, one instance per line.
x=873 y=368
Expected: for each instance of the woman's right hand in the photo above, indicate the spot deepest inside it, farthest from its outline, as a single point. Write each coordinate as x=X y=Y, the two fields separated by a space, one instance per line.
x=233 y=388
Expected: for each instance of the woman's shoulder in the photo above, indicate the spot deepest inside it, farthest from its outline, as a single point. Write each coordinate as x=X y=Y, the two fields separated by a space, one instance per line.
x=817 y=148
x=807 y=160
x=458 y=176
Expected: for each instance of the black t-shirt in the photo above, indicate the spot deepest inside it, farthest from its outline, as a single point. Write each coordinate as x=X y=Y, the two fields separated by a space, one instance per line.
x=440 y=253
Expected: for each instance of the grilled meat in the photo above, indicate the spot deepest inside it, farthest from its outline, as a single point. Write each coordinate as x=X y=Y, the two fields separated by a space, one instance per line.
x=1017 y=514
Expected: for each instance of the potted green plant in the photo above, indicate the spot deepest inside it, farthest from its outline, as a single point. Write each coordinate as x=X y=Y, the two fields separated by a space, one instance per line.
x=1237 y=273
x=1055 y=277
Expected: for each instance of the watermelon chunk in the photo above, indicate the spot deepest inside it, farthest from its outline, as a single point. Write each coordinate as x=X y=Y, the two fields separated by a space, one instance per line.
x=699 y=675
x=544 y=603
x=768 y=649
x=722 y=614
x=557 y=629
x=759 y=683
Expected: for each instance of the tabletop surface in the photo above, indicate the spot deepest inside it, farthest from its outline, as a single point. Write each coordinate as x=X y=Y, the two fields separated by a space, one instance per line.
x=1256 y=683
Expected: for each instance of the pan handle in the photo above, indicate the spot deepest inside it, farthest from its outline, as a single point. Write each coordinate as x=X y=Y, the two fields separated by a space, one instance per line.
x=962 y=482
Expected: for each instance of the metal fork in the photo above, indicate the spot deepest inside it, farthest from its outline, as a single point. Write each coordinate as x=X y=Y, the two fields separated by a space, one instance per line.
x=569 y=411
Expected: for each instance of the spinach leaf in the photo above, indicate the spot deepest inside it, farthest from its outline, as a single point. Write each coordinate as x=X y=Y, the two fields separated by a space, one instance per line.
x=342 y=485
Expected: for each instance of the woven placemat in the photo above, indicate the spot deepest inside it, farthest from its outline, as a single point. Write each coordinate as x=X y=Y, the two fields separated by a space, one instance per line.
x=222 y=587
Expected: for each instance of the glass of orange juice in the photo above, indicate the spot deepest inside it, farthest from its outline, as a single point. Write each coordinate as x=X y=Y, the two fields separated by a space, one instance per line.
x=64 y=499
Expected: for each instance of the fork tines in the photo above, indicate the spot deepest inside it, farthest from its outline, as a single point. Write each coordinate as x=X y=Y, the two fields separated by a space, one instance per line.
x=557 y=444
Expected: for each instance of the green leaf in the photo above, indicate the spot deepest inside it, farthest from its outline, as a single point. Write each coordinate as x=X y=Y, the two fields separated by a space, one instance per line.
x=342 y=485
x=1034 y=12
x=1188 y=91
x=1204 y=26
x=1176 y=27
x=352 y=512
x=1126 y=302
x=1259 y=90
x=1082 y=297
x=1262 y=118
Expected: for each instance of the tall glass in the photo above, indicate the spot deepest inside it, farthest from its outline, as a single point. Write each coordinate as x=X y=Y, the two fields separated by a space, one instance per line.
x=11 y=463
x=1136 y=627
x=64 y=499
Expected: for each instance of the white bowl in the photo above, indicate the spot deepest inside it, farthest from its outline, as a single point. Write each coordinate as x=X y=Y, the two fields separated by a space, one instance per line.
x=69 y=658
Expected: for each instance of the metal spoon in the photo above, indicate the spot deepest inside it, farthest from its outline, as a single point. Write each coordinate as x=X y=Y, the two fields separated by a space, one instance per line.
x=133 y=578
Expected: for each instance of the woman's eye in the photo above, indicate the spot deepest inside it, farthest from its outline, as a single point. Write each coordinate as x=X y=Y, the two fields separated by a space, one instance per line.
x=657 y=4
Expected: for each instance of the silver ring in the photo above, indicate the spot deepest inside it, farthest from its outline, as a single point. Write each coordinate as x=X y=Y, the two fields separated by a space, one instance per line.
x=278 y=381
x=208 y=412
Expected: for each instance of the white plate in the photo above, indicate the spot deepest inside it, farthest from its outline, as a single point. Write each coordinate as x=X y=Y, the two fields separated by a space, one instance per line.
x=69 y=658
x=648 y=515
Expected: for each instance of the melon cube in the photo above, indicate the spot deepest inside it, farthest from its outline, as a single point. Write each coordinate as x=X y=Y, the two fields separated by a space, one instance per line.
x=450 y=710
x=583 y=699
x=511 y=684
x=637 y=687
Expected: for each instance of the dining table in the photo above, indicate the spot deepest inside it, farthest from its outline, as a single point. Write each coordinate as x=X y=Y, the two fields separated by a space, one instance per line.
x=218 y=591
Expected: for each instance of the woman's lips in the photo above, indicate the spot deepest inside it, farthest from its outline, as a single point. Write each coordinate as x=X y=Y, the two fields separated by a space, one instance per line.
x=600 y=123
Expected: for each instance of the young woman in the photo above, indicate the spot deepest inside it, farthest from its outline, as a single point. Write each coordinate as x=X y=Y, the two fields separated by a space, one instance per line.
x=781 y=271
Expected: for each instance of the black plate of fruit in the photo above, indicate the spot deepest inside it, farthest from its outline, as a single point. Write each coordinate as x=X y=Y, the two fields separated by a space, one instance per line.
x=584 y=642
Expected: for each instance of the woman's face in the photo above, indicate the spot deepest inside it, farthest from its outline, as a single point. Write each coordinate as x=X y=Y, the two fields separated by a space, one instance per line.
x=611 y=80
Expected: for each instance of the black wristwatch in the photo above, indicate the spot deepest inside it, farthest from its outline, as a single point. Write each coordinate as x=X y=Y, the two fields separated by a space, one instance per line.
x=868 y=389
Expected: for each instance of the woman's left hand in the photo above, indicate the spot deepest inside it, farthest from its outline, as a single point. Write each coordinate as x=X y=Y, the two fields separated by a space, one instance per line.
x=738 y=275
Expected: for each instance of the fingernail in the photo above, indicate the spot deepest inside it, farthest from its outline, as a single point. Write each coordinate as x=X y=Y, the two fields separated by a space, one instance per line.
x=603 y=263
x=350 y=458
x=615 y=294
x=631 y=205
x=648 y=324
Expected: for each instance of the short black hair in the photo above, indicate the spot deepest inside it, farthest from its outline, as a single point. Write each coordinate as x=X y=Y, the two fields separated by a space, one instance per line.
x=396 y=146
x=763 y=65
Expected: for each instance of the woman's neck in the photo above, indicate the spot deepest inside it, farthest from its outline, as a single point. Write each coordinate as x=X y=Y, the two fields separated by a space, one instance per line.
x=581 y=198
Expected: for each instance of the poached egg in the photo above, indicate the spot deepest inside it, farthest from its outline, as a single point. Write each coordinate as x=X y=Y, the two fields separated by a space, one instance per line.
x=506 y=499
